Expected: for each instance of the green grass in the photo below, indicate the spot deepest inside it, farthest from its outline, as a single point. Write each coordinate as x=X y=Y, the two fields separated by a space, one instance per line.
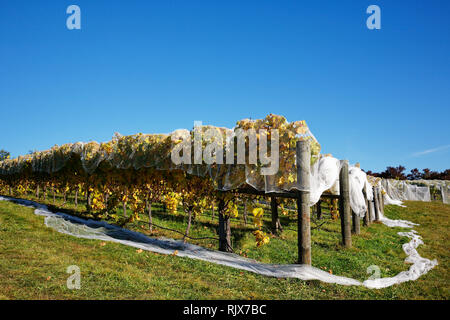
x=34 y=258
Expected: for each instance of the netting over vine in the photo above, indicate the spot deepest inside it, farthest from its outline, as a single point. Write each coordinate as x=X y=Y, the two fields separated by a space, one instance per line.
x=155 y=151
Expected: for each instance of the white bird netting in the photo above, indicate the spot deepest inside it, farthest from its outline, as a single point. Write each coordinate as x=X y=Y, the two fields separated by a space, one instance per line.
x=405 y=190
x=445 y=192
x=357 y=181
x=397 y=191
x=229 y=169
x=324 y=176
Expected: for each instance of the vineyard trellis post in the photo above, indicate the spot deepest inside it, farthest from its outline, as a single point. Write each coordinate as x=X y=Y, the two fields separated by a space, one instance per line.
x=245 y=211
x=276 y=225
x=88 y=199
x=303 y=162
x=224 y=224
x=345 y=210
x=371 y=210
x=224 y=228
x=319 y=209
x=368 y=208
x=380 y=203
x=376 y=204
x=356 y=228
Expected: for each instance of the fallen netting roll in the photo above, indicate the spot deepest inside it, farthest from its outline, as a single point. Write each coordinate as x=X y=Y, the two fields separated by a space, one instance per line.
x=419 y=266
x=100 y=230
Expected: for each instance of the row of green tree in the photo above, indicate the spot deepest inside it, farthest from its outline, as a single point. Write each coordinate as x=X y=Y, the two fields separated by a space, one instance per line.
x=415 y=174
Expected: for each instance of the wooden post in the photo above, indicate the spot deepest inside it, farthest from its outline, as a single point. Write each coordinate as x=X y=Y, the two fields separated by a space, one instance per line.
x=245 y=211
x=372 y=206
x=88 y=200
x=371 y=211
x=224 y=225
x=381 y=201
x=344 y=205
x=106 y=197
x=355 y=223
x=319 y=209
x=150 y=217
x=380 y=204
x=376 y=203
x=303 y=162
x=224 y=229
x=189 y=224
x=367 y=214
x=275 y=219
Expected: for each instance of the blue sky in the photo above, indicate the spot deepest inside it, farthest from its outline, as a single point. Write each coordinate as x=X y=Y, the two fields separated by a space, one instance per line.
x=380 y=97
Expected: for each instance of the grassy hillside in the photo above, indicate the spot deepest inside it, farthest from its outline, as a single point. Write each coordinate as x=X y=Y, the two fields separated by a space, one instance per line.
x=34 y=258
